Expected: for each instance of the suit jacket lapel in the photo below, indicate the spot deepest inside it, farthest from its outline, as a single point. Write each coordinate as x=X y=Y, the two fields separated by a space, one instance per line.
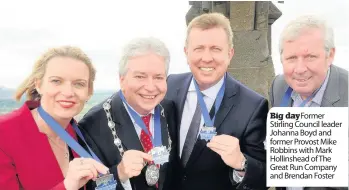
x=180 y=100
x=331 y=94
x=227 y=102
x=278 y=95
x=124 y=125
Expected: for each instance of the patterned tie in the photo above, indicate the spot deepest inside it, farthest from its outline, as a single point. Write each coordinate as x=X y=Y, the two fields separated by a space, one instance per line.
x=145 y=138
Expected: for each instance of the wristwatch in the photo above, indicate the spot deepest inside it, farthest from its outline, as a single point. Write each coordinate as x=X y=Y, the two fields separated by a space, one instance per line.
x=236 y=177
x=243 y=166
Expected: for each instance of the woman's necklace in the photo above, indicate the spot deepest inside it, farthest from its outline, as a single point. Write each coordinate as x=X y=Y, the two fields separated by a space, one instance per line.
x=64 y=149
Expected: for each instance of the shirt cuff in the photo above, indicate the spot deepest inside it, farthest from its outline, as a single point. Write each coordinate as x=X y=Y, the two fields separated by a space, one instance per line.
x=236 y=176
x=126 y=185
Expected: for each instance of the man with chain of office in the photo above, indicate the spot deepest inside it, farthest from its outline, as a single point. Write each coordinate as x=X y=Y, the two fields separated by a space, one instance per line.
x=132 y=131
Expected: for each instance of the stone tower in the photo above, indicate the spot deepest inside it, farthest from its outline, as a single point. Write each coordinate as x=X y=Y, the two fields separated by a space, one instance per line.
x=251 y=23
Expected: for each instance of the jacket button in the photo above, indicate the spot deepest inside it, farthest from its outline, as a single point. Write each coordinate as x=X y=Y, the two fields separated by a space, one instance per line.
x=184 y=177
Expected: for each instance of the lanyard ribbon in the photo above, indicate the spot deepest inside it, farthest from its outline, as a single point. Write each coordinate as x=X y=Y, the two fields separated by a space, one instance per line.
x=58 y=129
x=287 y=96
x=219 y=98
x=156 y=138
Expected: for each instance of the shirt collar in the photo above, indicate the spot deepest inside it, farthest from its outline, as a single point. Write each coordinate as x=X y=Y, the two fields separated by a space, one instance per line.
x=210 y=92
x=318 y=96
x=127 y=109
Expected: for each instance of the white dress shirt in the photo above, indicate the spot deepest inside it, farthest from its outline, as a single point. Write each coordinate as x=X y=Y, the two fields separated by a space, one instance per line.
x=127 y=184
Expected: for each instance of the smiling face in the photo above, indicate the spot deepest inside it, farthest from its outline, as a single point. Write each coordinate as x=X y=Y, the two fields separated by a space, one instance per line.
x=144 y=84
x=305 y=62
x=64 y=87
x=208 y=54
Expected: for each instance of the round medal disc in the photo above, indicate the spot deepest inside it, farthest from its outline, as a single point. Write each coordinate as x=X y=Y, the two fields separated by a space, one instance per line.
x=152 y=175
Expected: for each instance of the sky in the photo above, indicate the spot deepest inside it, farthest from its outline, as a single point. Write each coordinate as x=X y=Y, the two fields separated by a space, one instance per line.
x=101 y=29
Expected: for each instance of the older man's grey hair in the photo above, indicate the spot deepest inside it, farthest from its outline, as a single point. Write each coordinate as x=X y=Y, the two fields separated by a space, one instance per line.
x=143 y=46
x=297 y=26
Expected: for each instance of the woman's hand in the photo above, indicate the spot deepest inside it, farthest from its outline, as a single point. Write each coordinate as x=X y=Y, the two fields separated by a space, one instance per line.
x=81 y=170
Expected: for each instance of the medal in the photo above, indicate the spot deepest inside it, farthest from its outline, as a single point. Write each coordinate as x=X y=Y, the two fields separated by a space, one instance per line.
x=208 y=130
x=160 y=155
x=159 y=152
x=152 y=174
x=207 y=133
x=106 y=182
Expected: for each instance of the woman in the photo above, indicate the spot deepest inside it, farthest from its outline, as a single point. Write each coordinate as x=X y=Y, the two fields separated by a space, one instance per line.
x=32 y=154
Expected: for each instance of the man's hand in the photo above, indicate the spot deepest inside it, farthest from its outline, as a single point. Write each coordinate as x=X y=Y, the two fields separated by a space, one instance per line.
x=229 y=149
x=132 y=164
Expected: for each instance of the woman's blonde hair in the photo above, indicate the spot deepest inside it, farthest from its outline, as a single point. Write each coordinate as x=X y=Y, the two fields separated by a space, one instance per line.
x=211 y=20
x=38 y=72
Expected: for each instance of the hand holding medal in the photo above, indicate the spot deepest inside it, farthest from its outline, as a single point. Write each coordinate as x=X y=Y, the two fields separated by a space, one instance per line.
x=132 y=164
x=78 y=171
x=81 y=170
x=157 y=153
x=228 y=148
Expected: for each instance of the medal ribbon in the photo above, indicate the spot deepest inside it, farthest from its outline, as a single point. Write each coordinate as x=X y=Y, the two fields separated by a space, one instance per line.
x=58 y=129
x=156 y=138
x=287 y=96
x=218 y=101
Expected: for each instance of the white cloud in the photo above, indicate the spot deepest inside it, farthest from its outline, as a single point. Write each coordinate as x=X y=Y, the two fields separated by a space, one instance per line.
x=100 y=28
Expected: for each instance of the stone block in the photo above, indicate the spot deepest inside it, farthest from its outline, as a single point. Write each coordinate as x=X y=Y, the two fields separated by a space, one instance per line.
x=251 y=49
x=192 y=13
x=221 y=7
x=262 y=12
x=258 y=79
x=242 y=14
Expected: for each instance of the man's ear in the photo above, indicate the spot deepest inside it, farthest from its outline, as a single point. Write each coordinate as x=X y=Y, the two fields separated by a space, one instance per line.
x=330 y=56
x=185 y=49
x=121 y=81
x=231 y=53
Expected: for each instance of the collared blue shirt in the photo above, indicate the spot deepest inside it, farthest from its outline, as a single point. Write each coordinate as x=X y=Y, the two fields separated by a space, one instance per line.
x=316 y=101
